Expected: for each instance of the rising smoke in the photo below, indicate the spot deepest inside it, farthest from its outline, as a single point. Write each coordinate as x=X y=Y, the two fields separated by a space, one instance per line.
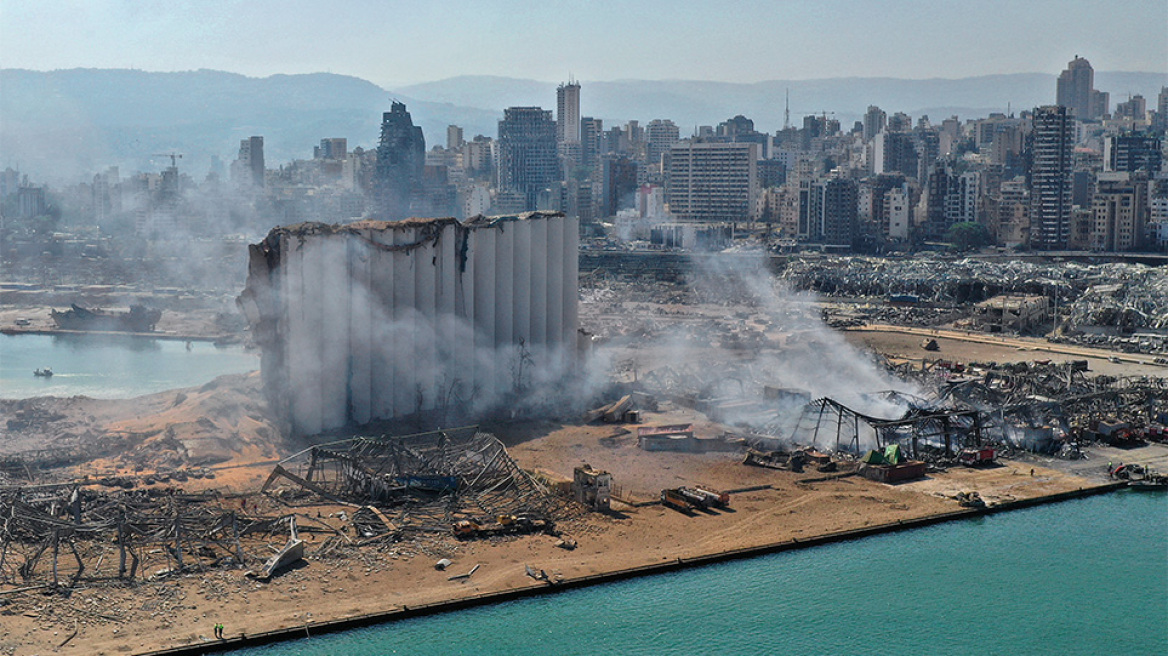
x=794 y=352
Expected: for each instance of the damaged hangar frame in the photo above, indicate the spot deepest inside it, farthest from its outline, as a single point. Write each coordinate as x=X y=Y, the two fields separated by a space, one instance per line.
x=378 y=320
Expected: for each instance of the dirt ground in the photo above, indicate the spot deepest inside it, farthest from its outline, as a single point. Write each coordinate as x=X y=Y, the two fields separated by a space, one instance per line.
x=224 y=428
x=118 y=619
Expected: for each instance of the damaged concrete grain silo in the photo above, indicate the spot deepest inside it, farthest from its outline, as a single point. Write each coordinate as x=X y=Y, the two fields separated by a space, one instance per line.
x=377 y=320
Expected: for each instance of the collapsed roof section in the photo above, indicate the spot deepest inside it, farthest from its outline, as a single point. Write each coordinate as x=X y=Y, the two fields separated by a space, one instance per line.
x=423 y=481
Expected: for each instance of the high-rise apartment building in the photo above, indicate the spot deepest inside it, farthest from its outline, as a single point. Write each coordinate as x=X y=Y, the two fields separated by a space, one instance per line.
x=568 y=125
x=591 y=142
x=894 y=152
x=568 y=112
x=712 y=182
x=333 y=148
x=619 y=185
x=454 y=137
x=1076 y=91
x=1133 y=151
x=660 y=135
x=1052 y=141
x=401 y=157
x=527 y=152
x=1134 y=109
x=875 y=189
x=249 y=164
x=874 y=121
x=950 y=198
x=1160 y=121
x=833 y=211
x=1119 y=212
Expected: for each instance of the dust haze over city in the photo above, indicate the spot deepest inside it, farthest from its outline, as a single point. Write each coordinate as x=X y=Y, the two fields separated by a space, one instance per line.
x=315 y=317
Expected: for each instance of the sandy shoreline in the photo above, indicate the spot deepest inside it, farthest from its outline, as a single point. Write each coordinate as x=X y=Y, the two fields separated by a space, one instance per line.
x=180 y=612
x=406 y=611
x=776 y=510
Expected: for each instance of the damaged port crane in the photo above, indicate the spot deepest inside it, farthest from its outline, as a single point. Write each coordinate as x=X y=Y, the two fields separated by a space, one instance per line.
x=424 y=317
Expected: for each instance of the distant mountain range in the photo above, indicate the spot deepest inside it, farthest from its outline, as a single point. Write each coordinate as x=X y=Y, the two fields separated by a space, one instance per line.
x=66 y=125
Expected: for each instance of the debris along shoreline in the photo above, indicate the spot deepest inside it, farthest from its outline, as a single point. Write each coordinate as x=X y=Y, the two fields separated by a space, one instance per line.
x=117 y=333
x=408 y=611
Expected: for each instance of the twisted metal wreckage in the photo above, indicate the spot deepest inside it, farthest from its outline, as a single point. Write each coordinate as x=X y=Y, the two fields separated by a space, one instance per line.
x=1046 y=408
x=58 y=535
x=417 y=482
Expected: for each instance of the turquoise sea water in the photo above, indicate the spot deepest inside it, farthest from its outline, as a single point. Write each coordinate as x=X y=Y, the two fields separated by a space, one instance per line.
x=1088 y=577
x=111 y=367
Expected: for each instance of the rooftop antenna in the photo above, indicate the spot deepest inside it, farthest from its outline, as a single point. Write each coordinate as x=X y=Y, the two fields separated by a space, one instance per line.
x=787 y=111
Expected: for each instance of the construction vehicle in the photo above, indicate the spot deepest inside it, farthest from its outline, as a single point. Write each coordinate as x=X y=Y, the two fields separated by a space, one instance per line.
x=466 y=528
x=503 y=525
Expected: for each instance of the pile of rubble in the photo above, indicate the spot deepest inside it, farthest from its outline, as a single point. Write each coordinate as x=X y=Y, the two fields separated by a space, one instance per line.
x=422 y=482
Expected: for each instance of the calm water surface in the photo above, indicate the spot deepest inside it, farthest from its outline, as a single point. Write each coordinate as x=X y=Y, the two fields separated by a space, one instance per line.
x=1087 y=577
x=111 y=367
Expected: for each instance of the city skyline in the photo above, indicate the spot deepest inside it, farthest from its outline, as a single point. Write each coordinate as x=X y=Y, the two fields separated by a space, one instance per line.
x=550 y=41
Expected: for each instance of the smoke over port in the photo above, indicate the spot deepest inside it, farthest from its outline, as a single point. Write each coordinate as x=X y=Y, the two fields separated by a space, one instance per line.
x=434 y=319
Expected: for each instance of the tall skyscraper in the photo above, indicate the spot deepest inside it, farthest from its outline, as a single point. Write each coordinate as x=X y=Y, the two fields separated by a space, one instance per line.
x=568 y=112
x=1076 y=91
x=527 y=152
x=1052 y=140
x=874 y=121
x=401 y=156
x=591 y=142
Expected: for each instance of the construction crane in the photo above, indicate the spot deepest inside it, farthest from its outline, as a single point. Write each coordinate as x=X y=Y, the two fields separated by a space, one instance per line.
x=174 y=157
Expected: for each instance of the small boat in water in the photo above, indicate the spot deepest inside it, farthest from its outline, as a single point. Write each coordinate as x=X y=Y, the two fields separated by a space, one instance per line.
x=43 y=373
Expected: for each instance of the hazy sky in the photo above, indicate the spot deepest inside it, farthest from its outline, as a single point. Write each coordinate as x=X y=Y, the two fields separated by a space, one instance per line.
x=391 y=42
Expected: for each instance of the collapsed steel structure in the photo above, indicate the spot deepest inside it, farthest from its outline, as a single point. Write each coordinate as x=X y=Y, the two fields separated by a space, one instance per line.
x=1040 y=407
x=63 y=534
x=424 y=481
x=919 y=431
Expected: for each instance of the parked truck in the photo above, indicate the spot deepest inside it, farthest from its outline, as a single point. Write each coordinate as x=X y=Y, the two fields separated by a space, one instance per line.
x=673 y=498
x=977 y=457
x=716 y=498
